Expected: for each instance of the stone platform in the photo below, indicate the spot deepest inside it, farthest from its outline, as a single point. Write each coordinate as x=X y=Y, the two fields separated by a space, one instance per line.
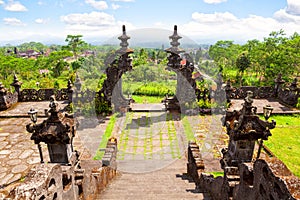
x=260 y=103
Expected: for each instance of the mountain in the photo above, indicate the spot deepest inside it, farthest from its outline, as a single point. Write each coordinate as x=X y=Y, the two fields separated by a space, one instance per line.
x=152 y=38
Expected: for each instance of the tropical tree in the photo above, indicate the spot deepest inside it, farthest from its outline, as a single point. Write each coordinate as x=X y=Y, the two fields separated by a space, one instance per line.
x=75 y=44
x=242 y=63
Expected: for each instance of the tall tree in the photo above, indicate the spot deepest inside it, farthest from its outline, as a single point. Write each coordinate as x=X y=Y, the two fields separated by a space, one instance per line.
x=242 y=63
x=75 y=44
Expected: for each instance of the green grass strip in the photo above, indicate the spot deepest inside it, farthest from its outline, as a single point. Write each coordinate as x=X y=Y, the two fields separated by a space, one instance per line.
x=285 y=140
x=105 y=137
x=188 y=129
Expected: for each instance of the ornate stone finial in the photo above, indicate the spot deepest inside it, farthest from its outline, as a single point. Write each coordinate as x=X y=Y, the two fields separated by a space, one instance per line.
x=16 y=84
x=16 y=81
x=78 y=82
x=3 y=90
x=294 y=84
x=175 y=37
x=174 y=43
x=124 y=38
x=279 y=79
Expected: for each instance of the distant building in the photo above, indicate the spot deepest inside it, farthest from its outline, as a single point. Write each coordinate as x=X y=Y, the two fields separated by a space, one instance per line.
x=27 y=54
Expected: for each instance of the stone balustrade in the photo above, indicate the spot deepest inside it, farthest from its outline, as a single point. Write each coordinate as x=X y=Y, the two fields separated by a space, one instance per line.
x=256 y=180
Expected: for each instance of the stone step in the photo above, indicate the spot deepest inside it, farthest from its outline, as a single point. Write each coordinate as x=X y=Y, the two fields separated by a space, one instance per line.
x=170 y=182
x=233 y=177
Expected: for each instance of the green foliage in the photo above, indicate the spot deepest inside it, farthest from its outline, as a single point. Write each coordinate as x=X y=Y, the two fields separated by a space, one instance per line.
x=75 y=44
x=102 y=107
x=216 y=174
x=263 y=59
x=153 y=89
x=285 y=139
x=107 y=134
x=188 y=129
x=146 y=99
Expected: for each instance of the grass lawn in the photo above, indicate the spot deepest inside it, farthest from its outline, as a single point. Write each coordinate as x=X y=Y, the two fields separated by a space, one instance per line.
x=285 y=141
x=147 y=99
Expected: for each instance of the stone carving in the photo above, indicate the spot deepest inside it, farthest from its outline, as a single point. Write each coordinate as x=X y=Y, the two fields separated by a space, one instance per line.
x=245 y=177
x=184 y=68
x=7 y=99
x=244 y=127
x=57 y=132
x=118 y=64
x=290 y=94
x=16 y=84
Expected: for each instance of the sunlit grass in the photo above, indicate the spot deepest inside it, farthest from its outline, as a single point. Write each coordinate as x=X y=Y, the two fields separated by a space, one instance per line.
x=105 y=137
x=188 y=129
x=147 y=99
x=285 y=141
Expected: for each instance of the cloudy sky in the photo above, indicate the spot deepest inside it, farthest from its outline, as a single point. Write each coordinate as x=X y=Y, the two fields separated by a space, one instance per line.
x=203 y=21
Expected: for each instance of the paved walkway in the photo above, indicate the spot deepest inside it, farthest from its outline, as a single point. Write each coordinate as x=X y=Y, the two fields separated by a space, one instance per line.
x=152 y=155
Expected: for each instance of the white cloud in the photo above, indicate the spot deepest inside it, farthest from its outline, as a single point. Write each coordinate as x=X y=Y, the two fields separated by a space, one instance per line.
x=13 y=22
x=214 y=1
x=289 y=14
x=1 y=2
x=89 y=19
x=227 y=26
x=93 y=25
x=100 y=5
x=115 y=6
x=293 y=7
x=40 y=21
x=15 y=6
x=213 y=18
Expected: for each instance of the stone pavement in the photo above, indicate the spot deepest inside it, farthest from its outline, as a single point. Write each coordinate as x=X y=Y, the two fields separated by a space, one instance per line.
x=260 y=103
x=148 y=141
x=18 y=154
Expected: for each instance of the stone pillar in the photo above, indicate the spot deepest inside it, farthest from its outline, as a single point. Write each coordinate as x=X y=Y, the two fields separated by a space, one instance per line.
x=3 y=102
x=17 y=85
x=228 y=90
x=278 y=84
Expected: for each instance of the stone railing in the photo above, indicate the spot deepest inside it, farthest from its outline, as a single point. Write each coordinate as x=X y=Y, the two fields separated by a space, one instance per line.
x=43 y=94
x=286 y=93
x=195 y=163
x=258 y=92
x=256 y=180
x=85 y=180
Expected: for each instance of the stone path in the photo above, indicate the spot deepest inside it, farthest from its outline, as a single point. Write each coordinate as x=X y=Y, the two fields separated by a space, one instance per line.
x=148 y=141
x=152 y=156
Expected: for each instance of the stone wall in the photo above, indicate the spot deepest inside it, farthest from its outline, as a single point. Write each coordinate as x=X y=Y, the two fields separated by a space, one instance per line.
x=261 y=180
x=82 y=181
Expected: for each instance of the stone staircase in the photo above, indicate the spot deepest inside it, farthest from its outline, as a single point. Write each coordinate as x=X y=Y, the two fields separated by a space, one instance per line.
x=170 y=182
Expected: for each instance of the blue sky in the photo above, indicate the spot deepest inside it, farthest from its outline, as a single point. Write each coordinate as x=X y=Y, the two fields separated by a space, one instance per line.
x=204 y=21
